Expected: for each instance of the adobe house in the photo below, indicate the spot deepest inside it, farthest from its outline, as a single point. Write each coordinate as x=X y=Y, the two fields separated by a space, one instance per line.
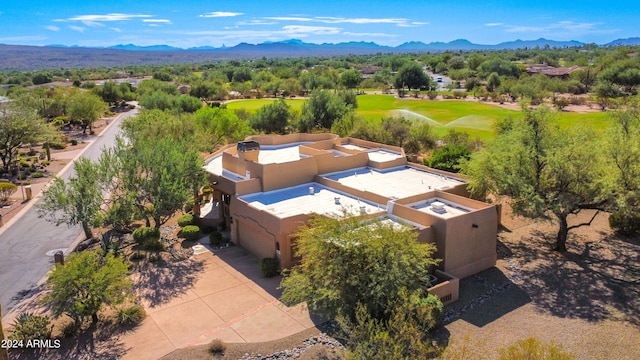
x=268 y=185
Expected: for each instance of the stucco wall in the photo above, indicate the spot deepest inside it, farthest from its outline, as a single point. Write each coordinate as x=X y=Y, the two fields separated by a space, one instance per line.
x=470 y=249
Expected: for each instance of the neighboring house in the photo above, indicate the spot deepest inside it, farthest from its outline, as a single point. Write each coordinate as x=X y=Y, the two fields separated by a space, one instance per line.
x=550 y=71
x=267 y=187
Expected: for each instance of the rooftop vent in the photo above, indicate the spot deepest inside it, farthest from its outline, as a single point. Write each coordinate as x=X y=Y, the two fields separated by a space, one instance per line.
x=337 y=200
x=244 y=146
x=311 y=190
x=248 y=150
x=438 y=207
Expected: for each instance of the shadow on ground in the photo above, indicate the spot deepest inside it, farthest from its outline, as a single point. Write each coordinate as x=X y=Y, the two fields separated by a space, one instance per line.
x=156 y=284
x=486 y=297
x=249 y=265
x=597 y=279
x=98 y=342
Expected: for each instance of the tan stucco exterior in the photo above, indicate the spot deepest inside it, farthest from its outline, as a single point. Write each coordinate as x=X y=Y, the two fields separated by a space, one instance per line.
x=466 y=242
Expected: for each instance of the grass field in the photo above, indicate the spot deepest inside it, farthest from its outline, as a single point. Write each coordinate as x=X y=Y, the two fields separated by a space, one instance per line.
x=475 y=118
x=253 y=105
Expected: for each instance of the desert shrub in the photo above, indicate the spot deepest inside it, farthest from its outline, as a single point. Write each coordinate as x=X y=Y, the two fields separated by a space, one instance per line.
x=28 y=326
x=153 y=245
x=146 y=234
x=215 y=238
x=217 y=346
x=269 y=267
x=57 y=145
x=185 y=220
x=130 y=316
x=432 y=95
x=576 y=100
x=60 y=121
x=37 y=175
x=188 y=206
x=46 y=163
x=74 y=142
x=6 y=190
x=191 y=232
x=625 y=223
x=532 y=348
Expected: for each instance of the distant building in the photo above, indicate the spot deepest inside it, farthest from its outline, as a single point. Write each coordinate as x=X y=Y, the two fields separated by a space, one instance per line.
x=268 y=186
x=550 y=71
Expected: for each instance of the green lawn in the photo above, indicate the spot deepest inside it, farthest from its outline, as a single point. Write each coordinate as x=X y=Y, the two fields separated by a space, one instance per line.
x=253 y=105
x=476 y=118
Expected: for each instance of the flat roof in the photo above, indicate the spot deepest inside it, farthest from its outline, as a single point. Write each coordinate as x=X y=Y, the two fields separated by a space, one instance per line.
x=377 y=154
x=214 y=166
x=439 y=207
x=399 y=182
x=298 y=200
x=382 y=155
x=276 y=154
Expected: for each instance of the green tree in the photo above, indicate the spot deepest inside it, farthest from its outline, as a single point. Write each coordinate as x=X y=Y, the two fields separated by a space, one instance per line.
x=346 y=264
x=493 y=82
x=19 y=125
x=85 y=108
x=111 y=92
x=544 y=171
x=406 y=335
x=321 y=110
x=159 y=175
x=77 y=200
x=448 y=157
x=85 y=283
x=216 y=126
x=271 y=118
x=350 y=79
x=411 y=76
x=623 y=149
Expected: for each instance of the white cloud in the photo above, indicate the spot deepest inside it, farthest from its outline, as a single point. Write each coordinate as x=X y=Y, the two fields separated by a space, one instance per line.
x=340 y=20
x=289 y=18
x=310 y=30
x=493 y=24
x=77 y=28
x=52 y=28
x=154 y=25
x=256 y=22
x=215 y=14
x=116 y=29
x=560 y=26
x=108 y=17
x=159 y=21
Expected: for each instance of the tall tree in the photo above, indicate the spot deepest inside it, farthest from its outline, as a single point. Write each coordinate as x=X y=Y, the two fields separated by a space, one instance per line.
x=79 y=199
x=271 y=118
x=623 y=149
x=321 y=110
x=350 y=79
x=542 y=170
x=411 y=76
x=86 y=108
x=19 y=125
x=160 y=174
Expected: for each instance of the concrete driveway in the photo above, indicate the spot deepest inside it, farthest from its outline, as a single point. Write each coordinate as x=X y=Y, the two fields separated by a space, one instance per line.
x=214 y=295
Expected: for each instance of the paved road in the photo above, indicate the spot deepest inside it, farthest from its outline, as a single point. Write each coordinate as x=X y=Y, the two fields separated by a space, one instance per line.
x=24 y=245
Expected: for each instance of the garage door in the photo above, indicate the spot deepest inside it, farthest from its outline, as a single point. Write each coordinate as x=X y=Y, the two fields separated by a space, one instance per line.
x=256 y=240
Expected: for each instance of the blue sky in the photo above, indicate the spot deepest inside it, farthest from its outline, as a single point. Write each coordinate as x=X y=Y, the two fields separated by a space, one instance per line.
x=191 y=23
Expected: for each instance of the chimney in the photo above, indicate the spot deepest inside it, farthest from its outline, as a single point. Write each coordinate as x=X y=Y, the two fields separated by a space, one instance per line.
x=248 y=150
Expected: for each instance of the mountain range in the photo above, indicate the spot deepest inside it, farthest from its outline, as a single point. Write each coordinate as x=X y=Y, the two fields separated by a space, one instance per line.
x=21 y=57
